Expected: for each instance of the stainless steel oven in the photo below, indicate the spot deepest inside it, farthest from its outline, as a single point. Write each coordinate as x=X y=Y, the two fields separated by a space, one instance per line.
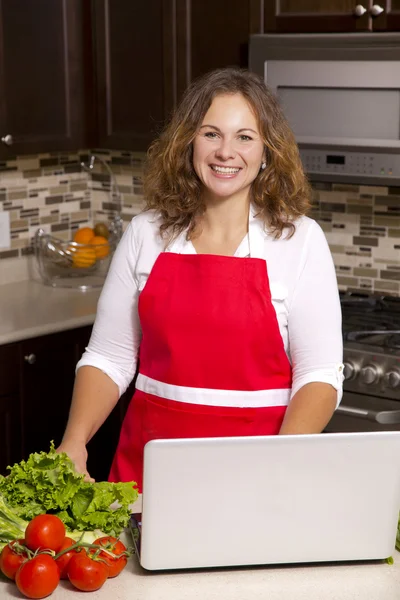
x=341 y=95
x=371 y=333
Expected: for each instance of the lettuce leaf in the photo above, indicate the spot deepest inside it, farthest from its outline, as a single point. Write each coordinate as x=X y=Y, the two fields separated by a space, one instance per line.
x=48 y=482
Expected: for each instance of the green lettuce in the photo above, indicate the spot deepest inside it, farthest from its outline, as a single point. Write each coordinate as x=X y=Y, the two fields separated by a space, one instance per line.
x=12 y=527
x=47 y=482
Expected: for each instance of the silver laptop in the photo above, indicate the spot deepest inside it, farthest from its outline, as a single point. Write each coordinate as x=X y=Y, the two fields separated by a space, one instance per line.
x=220 y=502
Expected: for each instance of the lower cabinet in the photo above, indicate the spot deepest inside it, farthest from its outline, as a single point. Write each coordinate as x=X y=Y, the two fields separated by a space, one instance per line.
x=10 y=408
x=102 y=446
x=47 y=379
x=10 y=432
x=36 y=383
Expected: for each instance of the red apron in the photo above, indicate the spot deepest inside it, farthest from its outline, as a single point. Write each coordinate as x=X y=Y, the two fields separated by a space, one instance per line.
x=212 y=360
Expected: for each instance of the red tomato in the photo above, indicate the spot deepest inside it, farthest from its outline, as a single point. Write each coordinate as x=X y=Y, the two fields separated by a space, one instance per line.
x=11 y=560
x=115 y=565
x=85 y=573
x=45 y=532
x=63 y=561
x=38 y=577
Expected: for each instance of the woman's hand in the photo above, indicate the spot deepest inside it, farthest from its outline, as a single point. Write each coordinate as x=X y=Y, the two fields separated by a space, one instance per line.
x=77 y=452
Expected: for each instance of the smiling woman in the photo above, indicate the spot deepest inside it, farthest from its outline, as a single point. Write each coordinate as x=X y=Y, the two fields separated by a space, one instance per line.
x=223 y=285
x=227 y=158
x=236 y=113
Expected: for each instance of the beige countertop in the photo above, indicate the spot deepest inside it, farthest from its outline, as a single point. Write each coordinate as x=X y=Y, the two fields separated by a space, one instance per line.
x=366 y=581
x=29 y=309
x=340 y=581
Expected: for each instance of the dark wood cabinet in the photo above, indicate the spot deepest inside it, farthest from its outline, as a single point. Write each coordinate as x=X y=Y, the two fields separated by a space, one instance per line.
x=107 y=73
x=212 y=34
x=42 y=74
x=36 y=383
x=47 y=378
x=389 y=18
x=130 y=59
x=329 y=16
x=102 y=446
x=10 y=408
x=148 y=52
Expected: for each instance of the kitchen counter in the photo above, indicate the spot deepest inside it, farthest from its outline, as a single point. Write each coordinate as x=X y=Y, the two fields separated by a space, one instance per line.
x=334 y=581
x=29 y=309
x=366 y=581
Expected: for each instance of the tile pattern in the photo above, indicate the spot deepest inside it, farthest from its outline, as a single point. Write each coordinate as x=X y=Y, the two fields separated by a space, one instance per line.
x=52 y=191
x=362 y=226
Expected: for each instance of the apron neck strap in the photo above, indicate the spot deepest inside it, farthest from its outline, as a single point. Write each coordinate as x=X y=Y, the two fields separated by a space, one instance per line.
x=256 y=235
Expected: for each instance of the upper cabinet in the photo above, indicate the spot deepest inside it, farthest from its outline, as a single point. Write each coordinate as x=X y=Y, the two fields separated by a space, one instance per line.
x=131 y=54
x=148 y=52
x=41 y=75
x=107 y=73
x=211 y=34
x=328 y=16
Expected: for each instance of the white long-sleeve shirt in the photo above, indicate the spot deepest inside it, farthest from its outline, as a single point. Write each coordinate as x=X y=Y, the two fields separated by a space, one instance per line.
x=303 y=289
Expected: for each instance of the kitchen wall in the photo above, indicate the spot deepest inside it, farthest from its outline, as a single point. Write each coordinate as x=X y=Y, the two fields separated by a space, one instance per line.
x=53 y=192
x=362 y=226
x=361 y=223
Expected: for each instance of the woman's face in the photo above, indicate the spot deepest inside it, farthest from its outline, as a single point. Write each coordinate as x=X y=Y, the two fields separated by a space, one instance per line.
x=228 y=149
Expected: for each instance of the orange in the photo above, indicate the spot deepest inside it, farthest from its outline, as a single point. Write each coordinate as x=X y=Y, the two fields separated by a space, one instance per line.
x=83 y=235
x=101 y=246
x=82 y=257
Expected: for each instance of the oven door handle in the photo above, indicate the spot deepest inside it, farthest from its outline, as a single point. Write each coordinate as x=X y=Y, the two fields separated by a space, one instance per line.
x=384 y=417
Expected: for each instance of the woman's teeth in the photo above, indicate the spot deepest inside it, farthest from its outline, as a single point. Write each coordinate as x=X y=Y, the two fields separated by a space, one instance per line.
x=226 y=170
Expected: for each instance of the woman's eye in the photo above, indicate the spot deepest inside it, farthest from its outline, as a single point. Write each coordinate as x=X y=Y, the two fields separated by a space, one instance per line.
x=245 y=138
x=210 y=134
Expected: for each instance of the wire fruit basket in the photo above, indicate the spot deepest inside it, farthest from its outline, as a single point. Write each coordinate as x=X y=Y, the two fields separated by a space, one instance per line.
x=71 y=264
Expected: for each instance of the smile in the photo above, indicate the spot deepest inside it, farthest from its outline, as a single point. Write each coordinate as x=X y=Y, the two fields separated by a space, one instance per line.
x=225 y=170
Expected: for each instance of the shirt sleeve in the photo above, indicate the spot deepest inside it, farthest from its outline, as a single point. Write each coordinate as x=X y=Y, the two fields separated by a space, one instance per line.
x=314 y=319
x=114 y=343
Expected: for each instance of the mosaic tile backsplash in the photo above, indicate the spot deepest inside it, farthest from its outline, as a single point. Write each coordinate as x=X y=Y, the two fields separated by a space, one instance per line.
x=362 y=226
x=52 y=191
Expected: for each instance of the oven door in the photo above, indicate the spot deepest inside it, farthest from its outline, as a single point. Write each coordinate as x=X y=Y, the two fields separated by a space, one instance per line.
x=360 y=412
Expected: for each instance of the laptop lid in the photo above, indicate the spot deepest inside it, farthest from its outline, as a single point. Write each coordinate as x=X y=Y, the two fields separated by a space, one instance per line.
x=213 y=502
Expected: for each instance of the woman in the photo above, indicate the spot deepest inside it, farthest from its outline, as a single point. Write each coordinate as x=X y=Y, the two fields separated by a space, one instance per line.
x=223 y=287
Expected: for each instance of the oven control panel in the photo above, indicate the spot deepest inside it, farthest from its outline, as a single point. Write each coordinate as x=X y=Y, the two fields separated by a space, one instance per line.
x=370 y=164
x=372 y=373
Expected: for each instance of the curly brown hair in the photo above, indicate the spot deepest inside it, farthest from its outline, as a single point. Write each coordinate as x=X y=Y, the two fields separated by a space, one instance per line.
x=281 y=191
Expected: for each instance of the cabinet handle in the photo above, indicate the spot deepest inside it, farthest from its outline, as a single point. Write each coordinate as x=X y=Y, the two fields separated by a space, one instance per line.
x=359 y=10
x=7 y=140
x=30 y=359
x=376 y=10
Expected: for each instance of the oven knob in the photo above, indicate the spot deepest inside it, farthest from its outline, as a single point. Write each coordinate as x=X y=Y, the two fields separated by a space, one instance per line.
x=350 y=371
x=392 y=379
x=369 y=374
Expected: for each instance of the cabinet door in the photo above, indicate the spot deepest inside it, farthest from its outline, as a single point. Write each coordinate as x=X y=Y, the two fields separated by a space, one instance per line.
x=385 y=15
x=309 y=16
x=41 y=76
x=47 y=378
x=213 y=33
x=10 y=432
x=148 y=52
x=10 y=409
x=130 y=62
x=102 y=446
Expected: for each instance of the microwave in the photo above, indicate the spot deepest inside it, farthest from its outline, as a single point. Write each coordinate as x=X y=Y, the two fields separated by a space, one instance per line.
x=341 y=96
